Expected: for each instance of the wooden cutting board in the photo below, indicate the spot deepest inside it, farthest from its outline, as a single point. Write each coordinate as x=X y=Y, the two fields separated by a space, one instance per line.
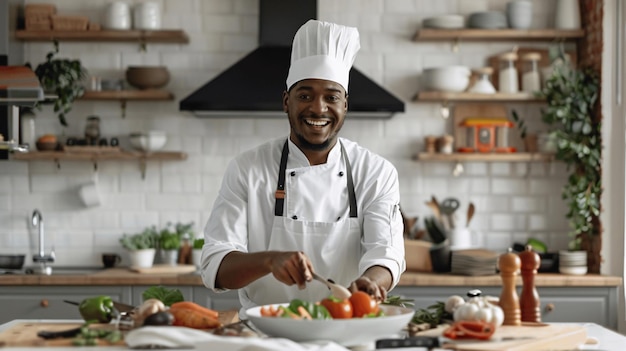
x=528 y=337
x=25 y=333
x=165 y=269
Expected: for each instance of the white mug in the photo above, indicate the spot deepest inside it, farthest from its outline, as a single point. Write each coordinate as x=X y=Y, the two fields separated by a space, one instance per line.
x=460 y=238
x=117 y=16
x=90 y=195
x=147 y=15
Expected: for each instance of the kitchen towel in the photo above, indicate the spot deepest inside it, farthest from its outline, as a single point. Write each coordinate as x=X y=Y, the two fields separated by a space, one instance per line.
x=187 y=338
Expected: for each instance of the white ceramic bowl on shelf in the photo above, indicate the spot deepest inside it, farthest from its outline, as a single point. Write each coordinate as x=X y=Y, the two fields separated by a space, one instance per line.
x=151 y=141
x=449 y=79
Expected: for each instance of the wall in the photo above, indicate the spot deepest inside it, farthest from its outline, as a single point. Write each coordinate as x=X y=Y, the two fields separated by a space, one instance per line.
x=514 y=200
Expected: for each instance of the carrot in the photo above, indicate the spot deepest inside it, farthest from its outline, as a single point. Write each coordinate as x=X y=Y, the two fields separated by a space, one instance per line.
x=194 y=306
x=196 y=319
x=269 y=311
x=303 y=313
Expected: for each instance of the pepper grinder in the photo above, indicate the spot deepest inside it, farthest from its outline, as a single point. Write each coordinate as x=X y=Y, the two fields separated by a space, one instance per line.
x=529 y=298
x=509 y=264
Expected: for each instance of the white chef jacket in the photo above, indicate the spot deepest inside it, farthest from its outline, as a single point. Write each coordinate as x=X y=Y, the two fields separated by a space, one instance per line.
x=243 y=212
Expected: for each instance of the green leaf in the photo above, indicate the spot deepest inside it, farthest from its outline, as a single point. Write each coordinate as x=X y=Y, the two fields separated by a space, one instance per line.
x=165 y=295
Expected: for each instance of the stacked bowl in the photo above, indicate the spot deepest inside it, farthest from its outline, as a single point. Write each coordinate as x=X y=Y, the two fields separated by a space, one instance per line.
x=487 y=20
x=444 y=22
x=573 y=262
x=448 y=79
x=519 y=13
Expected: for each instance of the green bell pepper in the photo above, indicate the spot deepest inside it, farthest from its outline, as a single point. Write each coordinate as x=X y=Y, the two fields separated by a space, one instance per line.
x=97 y=309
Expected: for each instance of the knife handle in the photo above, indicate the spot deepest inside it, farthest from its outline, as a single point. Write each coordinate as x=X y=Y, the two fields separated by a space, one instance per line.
x=415 y=341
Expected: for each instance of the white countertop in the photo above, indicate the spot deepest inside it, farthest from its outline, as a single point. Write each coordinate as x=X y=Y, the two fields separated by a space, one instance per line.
x=600 y=338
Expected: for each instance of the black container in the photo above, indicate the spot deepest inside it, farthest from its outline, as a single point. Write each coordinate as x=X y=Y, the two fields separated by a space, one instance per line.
x=12 y=261
x=441 y=257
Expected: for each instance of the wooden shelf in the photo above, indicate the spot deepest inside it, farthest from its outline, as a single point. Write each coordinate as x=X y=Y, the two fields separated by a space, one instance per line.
x=99 y=156
x=140 y=36
x=150 y=94
x=438 y=96
x=485 y=157
x=429 y=34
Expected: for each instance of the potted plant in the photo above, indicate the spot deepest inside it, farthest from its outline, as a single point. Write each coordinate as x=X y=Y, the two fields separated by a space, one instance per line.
x=169 y=244
x=197 y=251
x=141 y=247
x=63 y=78
x=530 y=140
x=571 y=95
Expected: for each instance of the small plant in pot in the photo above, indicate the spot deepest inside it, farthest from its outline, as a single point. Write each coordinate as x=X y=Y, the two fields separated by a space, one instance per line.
x=141 y=247
x=169 y=243
x=197 y=251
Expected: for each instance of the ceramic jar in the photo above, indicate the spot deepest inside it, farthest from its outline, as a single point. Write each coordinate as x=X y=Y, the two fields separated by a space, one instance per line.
x=147 y=15
x=117 y=16
x=567 y=14
x=519 y=14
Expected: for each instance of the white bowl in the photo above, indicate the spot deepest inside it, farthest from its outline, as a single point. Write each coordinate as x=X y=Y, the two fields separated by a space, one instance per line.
x=151 y=141
x=449 y=79
x=578 y=270
x=347 y=332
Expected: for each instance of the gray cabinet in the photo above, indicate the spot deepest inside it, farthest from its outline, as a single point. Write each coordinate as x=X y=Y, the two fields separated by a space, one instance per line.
x=558 y=304
x=225 y=301
x=46 y=302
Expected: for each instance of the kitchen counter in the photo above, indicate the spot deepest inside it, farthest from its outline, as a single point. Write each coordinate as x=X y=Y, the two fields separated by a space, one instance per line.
x=123 y=276
x=600 y=337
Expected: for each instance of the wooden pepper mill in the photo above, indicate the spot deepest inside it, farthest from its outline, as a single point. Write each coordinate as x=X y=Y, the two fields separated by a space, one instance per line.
x=509 y=264
x=529 y=298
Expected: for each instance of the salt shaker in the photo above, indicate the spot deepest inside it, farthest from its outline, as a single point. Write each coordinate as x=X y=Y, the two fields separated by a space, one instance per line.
x=529 y=298
x=509 y=264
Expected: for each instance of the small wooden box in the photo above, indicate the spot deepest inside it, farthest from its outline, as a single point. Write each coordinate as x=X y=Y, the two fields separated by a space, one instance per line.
x=69 y=23
x=417 y=255
x=39 y=10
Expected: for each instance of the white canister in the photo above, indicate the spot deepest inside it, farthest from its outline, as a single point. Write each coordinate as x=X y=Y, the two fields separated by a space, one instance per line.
x=117 y=16
x=519 y=14
x=147 y=15
x=27 y=126
x=567 y=14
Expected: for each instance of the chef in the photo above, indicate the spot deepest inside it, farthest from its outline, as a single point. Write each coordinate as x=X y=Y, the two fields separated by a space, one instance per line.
x=310 y=201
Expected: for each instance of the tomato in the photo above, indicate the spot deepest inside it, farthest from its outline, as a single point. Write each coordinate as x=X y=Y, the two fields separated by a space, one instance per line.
x=339 y=309
x=363 y=304
x=470 y=330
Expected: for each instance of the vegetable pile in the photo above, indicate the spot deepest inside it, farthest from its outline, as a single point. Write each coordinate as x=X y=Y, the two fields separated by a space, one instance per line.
x=359 y=305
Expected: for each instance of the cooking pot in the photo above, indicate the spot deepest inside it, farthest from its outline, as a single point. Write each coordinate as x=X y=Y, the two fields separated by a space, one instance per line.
x=11 y=261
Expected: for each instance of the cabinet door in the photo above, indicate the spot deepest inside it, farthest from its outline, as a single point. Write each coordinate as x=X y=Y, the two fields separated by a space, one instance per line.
x=575 y=305
x=137 y=297
x=226 y=301
x=46 y=302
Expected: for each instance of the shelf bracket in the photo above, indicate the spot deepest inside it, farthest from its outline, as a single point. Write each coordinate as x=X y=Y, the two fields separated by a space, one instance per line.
x=455 y=45
x=123 y=107
x=58 y=163
x=458 y=169
x=142 y=167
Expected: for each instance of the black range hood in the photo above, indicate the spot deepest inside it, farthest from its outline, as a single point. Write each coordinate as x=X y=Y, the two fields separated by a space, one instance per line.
x=253 y=86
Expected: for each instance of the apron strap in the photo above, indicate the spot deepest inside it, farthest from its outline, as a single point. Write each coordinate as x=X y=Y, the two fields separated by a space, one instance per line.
x=351 y=194
x=280 y=187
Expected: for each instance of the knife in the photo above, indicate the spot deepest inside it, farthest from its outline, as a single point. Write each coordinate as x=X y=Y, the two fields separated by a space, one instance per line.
x=414 y=341
x=121 y=307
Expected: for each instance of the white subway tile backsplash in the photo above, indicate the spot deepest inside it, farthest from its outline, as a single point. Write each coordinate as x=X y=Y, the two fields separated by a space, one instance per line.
x=513 y=200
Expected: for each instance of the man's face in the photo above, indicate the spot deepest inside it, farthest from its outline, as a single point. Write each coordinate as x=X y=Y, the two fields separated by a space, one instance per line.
x=316 y=109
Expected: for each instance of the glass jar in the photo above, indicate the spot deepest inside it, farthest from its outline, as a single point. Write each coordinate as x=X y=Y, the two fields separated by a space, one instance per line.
x=92 y=130
x=531 y=81
x=508 y=81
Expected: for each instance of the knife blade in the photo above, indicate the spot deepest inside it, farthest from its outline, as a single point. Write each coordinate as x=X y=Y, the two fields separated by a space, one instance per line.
x=414 y=341
x=121 y=307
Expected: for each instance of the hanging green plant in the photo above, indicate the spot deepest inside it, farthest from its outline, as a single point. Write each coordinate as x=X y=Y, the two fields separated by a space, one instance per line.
x=571 y=95
x=63 y=78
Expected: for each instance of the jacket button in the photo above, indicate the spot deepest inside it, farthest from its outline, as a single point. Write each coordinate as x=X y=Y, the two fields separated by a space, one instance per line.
x=294 y=217
x=341 y=174
x=293 y=173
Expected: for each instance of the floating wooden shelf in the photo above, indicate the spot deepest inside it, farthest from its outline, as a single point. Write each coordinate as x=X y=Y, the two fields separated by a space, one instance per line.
x=141 y=36
x=150 y=94
x=429 y=34
x=142 y=157
x=437 y=96
x=485 y=157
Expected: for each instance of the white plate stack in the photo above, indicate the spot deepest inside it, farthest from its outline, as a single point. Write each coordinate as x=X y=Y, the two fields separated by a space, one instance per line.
x=444 y=22
x=573 y=262
x=474 y=262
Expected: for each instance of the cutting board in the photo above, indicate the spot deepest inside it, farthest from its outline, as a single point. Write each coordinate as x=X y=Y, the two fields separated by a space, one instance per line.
x=25 y=333
x=528 y=337
x=165 y=269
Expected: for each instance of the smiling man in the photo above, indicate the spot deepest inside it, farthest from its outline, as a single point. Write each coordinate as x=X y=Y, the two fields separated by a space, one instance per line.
x=309 y=202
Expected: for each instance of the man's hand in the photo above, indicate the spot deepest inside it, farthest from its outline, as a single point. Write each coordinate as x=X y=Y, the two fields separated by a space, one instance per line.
x=291 y=267
x=379 y=293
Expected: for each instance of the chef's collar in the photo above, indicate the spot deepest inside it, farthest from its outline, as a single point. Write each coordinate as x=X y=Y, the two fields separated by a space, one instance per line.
x=297 y=158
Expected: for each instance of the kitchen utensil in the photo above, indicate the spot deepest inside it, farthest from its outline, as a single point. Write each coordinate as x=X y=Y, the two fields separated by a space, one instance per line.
x=12 y=261
x=428 y=342
x=336 y=290
x=448 y=207
x=347 y=332
x=470 y=213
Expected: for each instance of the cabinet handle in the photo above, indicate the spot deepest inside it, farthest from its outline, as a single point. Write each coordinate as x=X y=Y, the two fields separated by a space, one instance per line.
x=44 y=303
x=549 y=307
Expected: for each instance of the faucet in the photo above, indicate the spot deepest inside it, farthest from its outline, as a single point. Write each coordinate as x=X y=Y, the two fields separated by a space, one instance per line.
x=41 y=257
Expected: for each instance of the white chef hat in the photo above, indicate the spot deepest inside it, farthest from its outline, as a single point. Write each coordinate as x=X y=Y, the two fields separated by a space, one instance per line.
x=323 y=50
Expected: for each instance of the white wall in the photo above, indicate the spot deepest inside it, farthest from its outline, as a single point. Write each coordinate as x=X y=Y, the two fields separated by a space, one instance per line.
x=514 y=200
